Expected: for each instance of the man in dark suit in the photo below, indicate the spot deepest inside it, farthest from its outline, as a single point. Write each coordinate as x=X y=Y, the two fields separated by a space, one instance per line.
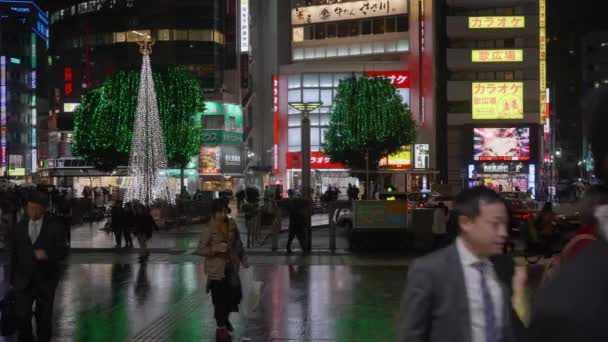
x=36 y=247
x=573 y=306
x=462 y=293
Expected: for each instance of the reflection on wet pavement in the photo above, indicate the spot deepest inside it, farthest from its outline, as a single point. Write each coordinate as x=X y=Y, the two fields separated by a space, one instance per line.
x=167 y=302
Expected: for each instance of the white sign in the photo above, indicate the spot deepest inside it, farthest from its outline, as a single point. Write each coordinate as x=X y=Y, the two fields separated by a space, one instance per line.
x=347 y=11
x=421 y=156
x=244 y=25
x=70 y=107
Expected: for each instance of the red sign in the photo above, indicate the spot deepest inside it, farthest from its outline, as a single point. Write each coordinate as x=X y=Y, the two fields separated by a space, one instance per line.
x=275 y=109
x=318 y=160
x=67 y=78
x=400 y=79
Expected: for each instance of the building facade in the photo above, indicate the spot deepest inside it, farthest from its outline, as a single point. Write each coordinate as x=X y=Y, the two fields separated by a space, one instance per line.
x=93 y=39
x=23 y=87
x=318 y=44
x=496 y=112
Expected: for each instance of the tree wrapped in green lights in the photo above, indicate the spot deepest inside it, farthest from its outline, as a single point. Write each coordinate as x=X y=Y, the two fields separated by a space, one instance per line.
x=103 y=124
x=368 y=119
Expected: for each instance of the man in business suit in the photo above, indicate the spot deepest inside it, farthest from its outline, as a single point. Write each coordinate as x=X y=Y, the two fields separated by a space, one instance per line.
x=36 y=247
x=462 y=293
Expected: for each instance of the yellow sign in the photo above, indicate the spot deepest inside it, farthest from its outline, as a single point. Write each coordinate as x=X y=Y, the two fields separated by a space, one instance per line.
x=498 y=100
x=483 y=56
x=17 y=172
x=401 y=159
x=497 y=22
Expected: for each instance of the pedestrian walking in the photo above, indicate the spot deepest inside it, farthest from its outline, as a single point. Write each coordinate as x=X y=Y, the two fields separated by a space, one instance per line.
x=296 y=222
x=573 y=306
x=462 y=293
x=117 y=223
x=221 y=245
x=129 y=217
x=144 y=227
x=36 y=248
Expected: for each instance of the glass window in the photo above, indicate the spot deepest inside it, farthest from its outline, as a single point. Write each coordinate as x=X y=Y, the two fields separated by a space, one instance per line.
x=311 y=80
x=320 y=31
x=343 y=50
x=355 y=49
x=402 y=23
x=294 y=120
x=390 y=46
x=379 y=26
x=326 y=80
x=295 y=81
x=378 y=47
x=207 y=35
x=403 y=45
x=324 y=120
x=331 y=30
x=195 y=35
x=339 y=77
x=509 y=43
x=298 y=54
x=311 y=95
x=181 y=34
x=308 y=32
x=320 y=52
x=366 y=27
x=120 y=37
x=326 y=97
x=509 y=75
x=309 y=53
x=390 y=25
x=315 y=138
x=343 y=29
x=294 y=95
x=366 y=48
x=332 y=51
x=294 y=137
x=354 y=28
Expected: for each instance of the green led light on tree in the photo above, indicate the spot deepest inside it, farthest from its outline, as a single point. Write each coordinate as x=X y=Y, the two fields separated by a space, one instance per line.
x=368 y=117
x=103 y=124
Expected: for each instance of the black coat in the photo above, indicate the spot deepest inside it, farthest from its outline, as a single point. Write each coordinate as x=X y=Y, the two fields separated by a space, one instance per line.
x=23 y=266
x=574 y=305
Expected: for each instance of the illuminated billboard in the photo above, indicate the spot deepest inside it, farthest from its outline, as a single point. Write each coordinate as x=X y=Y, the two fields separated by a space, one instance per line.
x=401 y=159
x=347 y=11
x=495 y=22
x=210 y=160
x=485 y=56
x=497 y=100
x=507 y=144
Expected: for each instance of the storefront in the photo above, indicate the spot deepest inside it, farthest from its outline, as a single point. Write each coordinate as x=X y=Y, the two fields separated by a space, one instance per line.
x=503 y=159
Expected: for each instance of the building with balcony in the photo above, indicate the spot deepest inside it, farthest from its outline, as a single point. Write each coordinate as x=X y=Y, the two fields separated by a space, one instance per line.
x=495 y=93
x=23 y=87
x=319 y=43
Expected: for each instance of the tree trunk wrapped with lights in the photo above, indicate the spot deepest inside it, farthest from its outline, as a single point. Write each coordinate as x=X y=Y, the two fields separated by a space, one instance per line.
x=148 y=154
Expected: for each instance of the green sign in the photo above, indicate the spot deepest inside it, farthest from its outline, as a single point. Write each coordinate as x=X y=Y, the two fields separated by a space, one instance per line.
x=189 y=173
x=215 y=137
x=233 y=115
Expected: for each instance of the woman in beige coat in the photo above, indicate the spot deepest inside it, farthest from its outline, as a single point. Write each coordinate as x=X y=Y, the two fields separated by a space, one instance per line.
x=223 y=250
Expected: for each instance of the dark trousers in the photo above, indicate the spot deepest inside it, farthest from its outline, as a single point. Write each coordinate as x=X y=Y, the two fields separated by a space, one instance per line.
x=295 y=230
x=67 y=224
x=43 y=297
x=128 y=238
x=118 y=233
x=226 y=298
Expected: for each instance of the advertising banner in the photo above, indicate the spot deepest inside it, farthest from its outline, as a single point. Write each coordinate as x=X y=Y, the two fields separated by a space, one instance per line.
x=210 y=160
x=399 y=79
x=347 y=11
x=485 y=56
x=497 y=22
x=231 y=159
x=318 y=160
x=422 y=153
x=497 y=100
x=401 y=159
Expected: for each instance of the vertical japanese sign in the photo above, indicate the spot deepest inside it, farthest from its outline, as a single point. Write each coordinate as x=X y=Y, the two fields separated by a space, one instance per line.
x=3 y=133
x=244 y=26
x=275 y=109
x=498 y=100
x=67 y=79
x=542 y=65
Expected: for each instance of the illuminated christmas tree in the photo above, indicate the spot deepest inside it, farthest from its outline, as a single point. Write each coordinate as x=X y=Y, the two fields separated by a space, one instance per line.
x=148 y=154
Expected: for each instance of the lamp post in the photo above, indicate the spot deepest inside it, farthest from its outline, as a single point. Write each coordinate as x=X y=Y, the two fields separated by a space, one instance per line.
x=305 y=108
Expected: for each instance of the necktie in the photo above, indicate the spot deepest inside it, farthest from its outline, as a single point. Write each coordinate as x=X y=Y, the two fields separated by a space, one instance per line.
x=488 y=306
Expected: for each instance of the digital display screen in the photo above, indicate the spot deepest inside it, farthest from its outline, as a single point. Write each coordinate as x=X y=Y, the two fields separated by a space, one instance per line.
x=507 y=144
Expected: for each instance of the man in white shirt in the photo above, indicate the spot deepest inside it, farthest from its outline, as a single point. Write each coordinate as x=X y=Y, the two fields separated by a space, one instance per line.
x=463 y=293
x=36 y=248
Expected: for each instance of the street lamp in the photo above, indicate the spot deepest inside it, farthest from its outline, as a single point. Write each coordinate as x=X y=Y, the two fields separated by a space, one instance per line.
x=305 y=108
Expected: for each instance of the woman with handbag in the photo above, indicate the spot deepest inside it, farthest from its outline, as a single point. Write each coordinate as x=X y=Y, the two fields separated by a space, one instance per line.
x=223 y=250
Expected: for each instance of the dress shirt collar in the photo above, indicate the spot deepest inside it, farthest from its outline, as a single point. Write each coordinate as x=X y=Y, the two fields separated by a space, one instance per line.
x=466 y=257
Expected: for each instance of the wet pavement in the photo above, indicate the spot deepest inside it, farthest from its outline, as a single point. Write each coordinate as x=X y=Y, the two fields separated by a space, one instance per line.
x=108 y=297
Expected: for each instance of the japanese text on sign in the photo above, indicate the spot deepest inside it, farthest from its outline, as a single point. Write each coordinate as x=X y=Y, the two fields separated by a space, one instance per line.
x=318 y=160
x=399 y=79
x=497 y=22
x=497 y=100
x=347 y=11
x=244 y=25
x=485 y=56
